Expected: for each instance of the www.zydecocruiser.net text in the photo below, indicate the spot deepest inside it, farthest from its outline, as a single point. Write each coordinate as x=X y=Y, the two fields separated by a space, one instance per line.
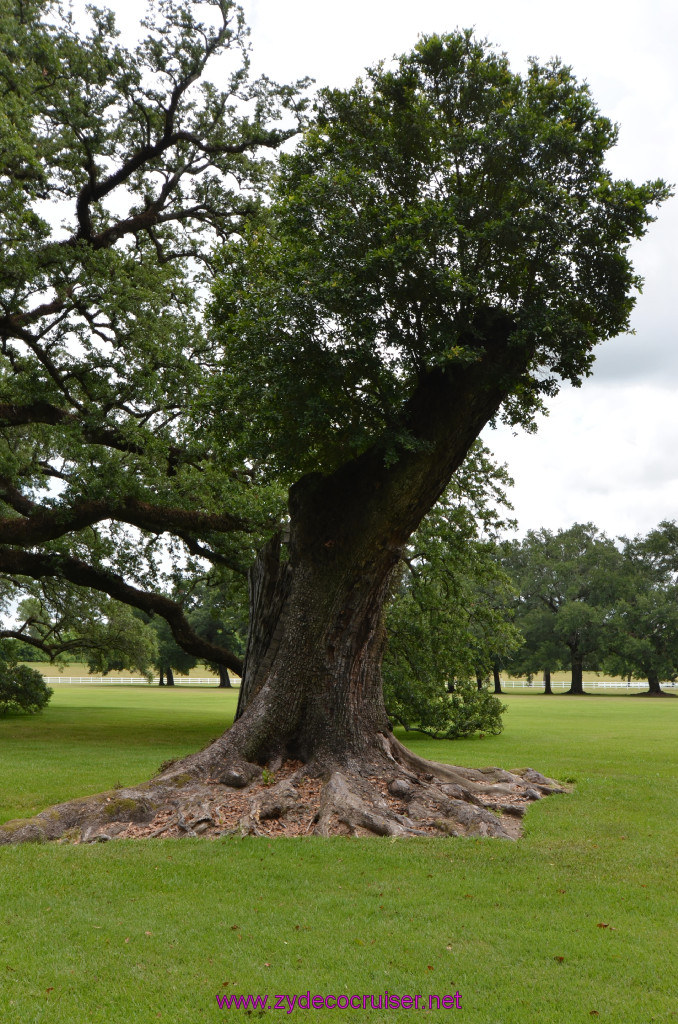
x=306 y=1001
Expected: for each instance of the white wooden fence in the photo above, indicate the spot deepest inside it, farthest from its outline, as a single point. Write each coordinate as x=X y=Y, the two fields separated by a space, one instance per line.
x=537 y=685
x=510 y=684
x=132 y=680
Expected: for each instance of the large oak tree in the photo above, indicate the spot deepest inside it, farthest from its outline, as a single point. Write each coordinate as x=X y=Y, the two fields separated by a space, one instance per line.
x=444 y=246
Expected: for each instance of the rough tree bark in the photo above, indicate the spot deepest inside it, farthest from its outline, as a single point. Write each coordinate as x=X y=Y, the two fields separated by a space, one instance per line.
x=311 y=710
x=577 y=685
x=224 y=678
x=547 y=681
x=654 y=685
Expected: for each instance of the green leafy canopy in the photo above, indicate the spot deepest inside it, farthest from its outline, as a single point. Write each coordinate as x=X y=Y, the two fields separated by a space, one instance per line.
x=435 y=187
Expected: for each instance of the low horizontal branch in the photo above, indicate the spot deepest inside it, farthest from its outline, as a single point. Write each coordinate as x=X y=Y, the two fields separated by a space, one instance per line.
x=39 y=566
x=37 y=524
x=51 y=650
x=12 y=415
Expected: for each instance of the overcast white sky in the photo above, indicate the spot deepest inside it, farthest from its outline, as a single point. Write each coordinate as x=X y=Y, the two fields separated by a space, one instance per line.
x=607 y=452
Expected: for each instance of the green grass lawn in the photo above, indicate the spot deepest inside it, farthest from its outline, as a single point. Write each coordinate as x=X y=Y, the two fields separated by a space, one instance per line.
x=136 y=932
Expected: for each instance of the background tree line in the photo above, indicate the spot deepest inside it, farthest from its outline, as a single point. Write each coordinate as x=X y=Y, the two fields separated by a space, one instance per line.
x=586 y=601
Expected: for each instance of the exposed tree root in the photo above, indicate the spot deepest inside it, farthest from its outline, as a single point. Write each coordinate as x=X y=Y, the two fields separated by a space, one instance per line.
x=392 y=793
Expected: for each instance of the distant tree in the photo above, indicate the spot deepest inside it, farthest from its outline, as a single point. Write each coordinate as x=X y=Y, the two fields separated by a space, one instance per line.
x=644 y=624
x=170 y=658
x=569 y=582
x=542 y=652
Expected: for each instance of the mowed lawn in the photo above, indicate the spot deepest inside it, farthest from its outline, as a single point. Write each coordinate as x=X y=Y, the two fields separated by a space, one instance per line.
x=575 y=922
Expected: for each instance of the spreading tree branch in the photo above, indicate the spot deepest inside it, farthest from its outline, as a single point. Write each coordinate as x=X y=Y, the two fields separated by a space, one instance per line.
x=40 y=566
x=38 y=525
x=51 y=650
x=13 y=415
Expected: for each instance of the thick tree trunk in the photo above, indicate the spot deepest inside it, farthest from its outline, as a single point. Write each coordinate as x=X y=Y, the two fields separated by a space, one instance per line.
x=224 y=678
x=269 y=583
x=497 y=679
x=654 y=685
x=161 y=680
x=170 y=676
x=547 y=681
x=311 y=687
x=577 y=685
